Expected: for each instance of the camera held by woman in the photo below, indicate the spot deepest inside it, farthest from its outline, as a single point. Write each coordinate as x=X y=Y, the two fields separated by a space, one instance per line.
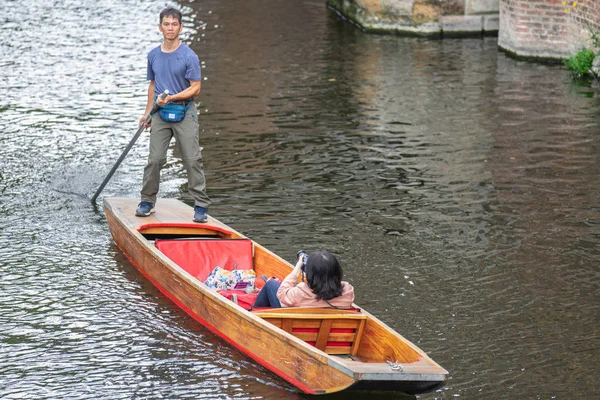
x=302 y=255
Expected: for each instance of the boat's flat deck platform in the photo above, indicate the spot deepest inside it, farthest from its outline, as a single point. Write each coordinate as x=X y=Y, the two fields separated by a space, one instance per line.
x=168 y=212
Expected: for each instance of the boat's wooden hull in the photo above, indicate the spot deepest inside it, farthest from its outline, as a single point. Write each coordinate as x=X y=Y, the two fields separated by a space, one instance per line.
x=297 y=362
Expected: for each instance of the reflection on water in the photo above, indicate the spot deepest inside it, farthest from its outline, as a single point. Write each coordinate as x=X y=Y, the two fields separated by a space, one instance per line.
x=457 y=186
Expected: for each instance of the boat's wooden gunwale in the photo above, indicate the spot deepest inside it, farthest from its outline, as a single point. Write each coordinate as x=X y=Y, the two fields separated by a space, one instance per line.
x=310 y=365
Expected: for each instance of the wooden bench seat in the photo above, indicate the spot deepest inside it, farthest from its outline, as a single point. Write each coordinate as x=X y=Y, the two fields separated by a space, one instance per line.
x=332 y=331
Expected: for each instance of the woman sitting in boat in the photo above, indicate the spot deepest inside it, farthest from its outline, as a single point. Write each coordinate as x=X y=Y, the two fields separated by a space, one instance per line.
x=323 y=287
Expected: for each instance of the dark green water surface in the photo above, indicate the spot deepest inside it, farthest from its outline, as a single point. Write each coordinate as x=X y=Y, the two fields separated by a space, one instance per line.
x=459 y=188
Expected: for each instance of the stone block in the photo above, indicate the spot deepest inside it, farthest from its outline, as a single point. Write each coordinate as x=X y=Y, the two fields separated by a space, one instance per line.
x=449 y=7
x=483 y=6
x=371 y=6
x=399 y=7
x=491 y=23
x=462 y=24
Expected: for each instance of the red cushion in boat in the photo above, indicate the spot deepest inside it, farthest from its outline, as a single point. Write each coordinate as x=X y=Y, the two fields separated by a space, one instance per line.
x=200 y=257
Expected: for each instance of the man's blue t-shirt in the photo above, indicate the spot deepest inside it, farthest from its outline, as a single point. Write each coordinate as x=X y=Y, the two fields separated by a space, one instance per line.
x=173 y=71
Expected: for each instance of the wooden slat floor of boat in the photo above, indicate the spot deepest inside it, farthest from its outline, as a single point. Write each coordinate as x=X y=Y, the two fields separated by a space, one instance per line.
x=169 y=211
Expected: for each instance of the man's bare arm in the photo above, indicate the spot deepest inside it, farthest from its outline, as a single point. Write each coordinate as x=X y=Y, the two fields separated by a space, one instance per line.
x=193 y=90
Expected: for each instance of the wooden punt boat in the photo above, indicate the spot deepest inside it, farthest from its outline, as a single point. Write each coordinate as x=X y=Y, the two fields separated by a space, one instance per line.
x=317 y=350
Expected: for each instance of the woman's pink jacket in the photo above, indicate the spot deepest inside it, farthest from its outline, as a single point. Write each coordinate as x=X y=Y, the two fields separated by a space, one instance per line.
x=294 y=294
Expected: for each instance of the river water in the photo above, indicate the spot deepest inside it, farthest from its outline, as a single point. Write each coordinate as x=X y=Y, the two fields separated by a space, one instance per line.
x=458 y=187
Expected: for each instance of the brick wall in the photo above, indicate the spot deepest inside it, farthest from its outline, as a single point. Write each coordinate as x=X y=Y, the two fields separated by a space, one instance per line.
x=586 y=13
x=542 y=28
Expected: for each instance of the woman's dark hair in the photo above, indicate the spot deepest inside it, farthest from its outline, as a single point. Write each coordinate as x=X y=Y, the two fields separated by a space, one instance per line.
x=169 y=12
x=324 y=275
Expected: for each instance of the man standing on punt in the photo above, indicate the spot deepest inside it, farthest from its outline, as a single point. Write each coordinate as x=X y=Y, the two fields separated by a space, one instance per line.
x=173 y=66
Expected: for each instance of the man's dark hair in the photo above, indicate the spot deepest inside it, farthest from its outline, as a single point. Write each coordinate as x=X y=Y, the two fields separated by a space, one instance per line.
x=170 y=12
x=324 y=275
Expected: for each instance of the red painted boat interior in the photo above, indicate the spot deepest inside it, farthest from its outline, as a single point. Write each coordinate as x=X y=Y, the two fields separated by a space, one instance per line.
x=200 y=257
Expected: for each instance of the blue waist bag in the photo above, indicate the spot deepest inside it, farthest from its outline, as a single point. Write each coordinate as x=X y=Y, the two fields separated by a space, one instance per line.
x=172 y=112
